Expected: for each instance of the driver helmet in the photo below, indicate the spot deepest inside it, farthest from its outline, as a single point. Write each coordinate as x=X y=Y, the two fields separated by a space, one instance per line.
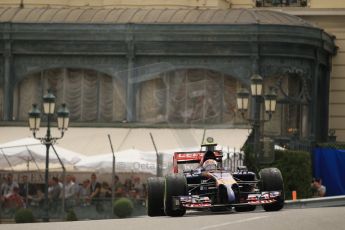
x=210 y=164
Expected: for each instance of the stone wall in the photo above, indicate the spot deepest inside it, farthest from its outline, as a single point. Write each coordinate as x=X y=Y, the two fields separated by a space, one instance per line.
x=335 y=26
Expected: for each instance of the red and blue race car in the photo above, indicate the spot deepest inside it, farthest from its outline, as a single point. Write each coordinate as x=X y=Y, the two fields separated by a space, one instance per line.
x=200 y=182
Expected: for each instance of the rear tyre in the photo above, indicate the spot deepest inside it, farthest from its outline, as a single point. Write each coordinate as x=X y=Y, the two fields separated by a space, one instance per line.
x=155 y=196
x=245 y=208
x=272 y=180
x=175 y=185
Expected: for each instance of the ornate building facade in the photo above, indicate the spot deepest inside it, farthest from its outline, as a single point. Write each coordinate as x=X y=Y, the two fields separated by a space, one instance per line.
x=172 y=62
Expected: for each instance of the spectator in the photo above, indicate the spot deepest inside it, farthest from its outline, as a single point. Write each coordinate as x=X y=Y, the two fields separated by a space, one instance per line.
x=118 y=187
x=95 y=192
x=54 y=191
x=136 y=183
x=8 y=185
x=143 y=191
x=84 y=192
x=130 y=189
x=69 y=188
x=60 y=182
x=70 y=192
x=76 y=187
x=95 y=188
x=37 y=197
x=105 y=190
x=136 y=187
x=25 y=189
x=317 y=188
x=128 y=186
x=14 y=201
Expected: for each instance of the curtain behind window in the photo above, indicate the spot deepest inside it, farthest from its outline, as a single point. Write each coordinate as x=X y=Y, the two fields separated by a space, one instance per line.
x=192 y=96
x=89 y=95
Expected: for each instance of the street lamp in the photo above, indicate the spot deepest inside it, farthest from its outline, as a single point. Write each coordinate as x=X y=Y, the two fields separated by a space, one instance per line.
x=256 y=85
x=270 y=101
x=242 y=100
x=48 y=140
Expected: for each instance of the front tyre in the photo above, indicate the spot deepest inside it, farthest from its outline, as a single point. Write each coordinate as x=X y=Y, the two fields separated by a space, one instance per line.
x=175 y=185
x=272 y=180
x=155 y=196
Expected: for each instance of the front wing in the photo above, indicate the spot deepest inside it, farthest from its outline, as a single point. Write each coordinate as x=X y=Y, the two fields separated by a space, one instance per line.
x=198 y=202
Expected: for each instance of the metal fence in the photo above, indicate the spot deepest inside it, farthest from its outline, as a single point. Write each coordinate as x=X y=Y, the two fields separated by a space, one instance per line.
x=233 y=160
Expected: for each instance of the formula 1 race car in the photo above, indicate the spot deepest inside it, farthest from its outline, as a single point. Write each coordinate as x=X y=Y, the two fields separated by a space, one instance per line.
x=205 y=184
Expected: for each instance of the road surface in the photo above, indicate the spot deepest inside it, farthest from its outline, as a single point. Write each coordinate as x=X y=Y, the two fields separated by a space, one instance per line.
x=306 y=219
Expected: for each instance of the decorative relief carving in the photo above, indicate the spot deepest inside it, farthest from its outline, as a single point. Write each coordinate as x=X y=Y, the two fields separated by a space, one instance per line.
x=301 y=77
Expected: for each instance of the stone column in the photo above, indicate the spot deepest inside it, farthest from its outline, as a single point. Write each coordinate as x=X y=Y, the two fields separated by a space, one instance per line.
x=7 y=84
x=130 y=94
x=314 y=102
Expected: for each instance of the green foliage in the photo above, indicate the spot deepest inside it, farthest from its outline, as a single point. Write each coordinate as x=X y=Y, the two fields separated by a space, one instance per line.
x=296 y=170
x=295 y=167
x=123 y=207
x=249 y=159
x=71 y=216
x=24 y=215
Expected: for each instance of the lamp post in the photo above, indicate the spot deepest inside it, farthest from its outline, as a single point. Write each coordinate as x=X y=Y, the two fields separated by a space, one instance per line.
x=270 y=101
x=48 y=140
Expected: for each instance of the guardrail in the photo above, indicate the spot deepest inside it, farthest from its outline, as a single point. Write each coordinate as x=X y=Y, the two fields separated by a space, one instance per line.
x=331 y=201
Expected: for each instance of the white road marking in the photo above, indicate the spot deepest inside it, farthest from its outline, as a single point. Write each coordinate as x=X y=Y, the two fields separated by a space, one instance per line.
x=233 y=222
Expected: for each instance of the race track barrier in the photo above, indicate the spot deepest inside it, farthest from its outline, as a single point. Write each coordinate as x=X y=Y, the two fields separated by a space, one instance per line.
x=331 y=201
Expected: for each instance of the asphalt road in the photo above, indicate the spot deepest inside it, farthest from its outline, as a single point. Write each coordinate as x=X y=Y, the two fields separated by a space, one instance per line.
x=306 y=219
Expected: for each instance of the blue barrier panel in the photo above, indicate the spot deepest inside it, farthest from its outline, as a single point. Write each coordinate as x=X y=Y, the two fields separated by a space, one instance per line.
x=329 y=165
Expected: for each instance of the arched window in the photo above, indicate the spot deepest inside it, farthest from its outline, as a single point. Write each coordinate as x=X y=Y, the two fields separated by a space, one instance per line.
x=292 y=113
x=189 y=96
x=89 y=95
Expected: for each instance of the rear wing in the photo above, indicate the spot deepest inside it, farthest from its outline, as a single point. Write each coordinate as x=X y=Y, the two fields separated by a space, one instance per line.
x=192 y=157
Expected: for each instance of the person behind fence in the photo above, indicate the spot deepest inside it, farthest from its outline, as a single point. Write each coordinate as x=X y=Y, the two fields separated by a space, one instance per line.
x=136 y=188
x=143 y=193
x=76 y=187
x=95 y=191
x=60 y=182
x=70 y=192
x=8 y=185
x=317 y=188
x=119 y=189
x=54 y=193
x=37 y=197
x=26 y=189
x=84 y=192
x=128 y=186
x=105 y=190
x=13 y=200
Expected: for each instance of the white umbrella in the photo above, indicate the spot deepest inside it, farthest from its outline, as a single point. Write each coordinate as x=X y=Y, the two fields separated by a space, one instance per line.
x=129 y=160
x=29 y=149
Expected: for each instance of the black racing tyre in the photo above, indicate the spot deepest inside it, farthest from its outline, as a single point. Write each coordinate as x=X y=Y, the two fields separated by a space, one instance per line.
x=245 y=208
x=272 y=180
x=155 y=196
x=175 y=185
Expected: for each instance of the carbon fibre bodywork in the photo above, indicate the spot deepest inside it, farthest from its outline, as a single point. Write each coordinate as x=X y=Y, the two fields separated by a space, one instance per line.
x=220 y=187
